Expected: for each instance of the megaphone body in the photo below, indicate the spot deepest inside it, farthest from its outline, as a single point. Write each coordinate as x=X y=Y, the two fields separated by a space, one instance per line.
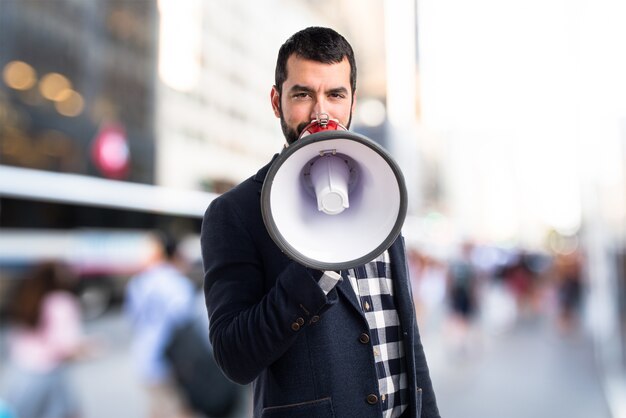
x=334 y=200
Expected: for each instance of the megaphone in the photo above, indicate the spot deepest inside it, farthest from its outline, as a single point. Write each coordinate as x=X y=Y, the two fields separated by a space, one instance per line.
x=334 y=199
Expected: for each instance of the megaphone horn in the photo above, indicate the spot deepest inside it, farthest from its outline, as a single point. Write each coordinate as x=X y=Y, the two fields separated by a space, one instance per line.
x=334 y=200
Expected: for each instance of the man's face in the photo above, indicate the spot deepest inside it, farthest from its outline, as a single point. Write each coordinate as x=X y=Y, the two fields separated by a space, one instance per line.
x=311 y=88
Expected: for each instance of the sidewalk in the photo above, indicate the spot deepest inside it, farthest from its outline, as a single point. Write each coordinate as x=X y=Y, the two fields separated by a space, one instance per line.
x=527 y=371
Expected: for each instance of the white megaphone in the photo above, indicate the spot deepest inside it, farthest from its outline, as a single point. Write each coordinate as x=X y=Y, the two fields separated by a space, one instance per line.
x=334 y=199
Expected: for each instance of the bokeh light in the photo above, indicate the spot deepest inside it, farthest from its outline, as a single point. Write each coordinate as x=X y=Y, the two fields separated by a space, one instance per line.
x=19 y=75
x=70 y=103
x=54 y=86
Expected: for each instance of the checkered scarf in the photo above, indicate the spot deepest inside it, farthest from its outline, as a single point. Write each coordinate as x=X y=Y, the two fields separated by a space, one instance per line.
x=373 y=286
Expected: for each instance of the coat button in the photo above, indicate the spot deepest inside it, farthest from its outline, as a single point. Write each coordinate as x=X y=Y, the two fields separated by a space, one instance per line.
x=372 y=399
x=300 y=321
x=295 y=326
x=314 y=319
x=364 y=338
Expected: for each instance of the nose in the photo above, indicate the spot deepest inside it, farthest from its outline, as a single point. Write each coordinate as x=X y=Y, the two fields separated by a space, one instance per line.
x=319 y=108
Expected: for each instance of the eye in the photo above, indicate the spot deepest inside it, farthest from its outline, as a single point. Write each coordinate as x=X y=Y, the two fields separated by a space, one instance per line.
x=337 y=95
x=301 y=95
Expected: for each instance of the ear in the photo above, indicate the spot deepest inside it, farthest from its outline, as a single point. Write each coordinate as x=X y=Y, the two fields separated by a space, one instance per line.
x=275 y=99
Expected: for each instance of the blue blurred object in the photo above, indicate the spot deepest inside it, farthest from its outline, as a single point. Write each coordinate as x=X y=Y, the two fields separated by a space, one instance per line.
x=5 y=410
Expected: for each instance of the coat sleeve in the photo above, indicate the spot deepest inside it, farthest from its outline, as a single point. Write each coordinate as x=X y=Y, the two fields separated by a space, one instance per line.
x=253 y=319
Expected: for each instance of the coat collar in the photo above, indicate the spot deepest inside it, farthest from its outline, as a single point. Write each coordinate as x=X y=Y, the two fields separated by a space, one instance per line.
x=345 y=288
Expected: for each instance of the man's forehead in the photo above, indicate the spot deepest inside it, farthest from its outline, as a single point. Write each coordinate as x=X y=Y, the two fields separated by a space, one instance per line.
x=301 y=71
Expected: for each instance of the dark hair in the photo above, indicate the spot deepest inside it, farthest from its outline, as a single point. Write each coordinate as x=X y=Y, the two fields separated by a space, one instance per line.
x=43 y=278
x=170 y=246
x=318 y=44
x=168 y=242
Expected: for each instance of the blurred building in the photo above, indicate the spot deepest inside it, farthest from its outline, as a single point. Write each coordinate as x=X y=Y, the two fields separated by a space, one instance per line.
x=215 y=69
x=162 y=92
x=74 y=72
x=76 y=96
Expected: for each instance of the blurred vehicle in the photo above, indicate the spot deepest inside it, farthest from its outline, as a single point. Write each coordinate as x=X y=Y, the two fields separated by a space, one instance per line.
x=103 y=260
x=100 y=228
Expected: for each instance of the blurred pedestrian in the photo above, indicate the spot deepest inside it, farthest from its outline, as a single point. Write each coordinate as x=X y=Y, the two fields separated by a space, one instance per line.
x=45 y=335
x=158 y=300
x=569 y=287
x=462 y=295
x=428 y=279
x=522 y=283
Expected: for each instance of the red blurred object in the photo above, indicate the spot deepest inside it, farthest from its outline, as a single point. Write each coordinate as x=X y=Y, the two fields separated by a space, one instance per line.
x=110 y=152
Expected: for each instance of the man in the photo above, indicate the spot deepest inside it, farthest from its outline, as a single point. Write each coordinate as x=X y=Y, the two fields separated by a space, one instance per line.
x=314 y=344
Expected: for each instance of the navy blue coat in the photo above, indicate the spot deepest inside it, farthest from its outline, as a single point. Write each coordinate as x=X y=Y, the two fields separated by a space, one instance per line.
x=271 y=324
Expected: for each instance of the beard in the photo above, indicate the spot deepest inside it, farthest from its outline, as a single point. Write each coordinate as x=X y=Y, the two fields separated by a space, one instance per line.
x=291 y=134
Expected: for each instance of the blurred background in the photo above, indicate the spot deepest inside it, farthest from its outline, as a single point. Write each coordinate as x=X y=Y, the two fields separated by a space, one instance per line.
x=508 y=118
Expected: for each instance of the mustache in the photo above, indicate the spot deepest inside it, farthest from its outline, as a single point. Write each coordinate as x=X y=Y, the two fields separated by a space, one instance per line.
x=301 y=127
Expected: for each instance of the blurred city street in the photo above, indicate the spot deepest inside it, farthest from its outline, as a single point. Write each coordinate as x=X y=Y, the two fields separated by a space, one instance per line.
x=121 y=121
x=528 y=371
x=107 y=385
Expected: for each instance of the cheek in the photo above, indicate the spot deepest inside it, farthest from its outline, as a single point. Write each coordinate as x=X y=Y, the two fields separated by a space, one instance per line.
x=342 y=113
x=296 y=113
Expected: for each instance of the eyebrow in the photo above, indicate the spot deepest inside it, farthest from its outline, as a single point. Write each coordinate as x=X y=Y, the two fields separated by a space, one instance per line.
x=301 y=88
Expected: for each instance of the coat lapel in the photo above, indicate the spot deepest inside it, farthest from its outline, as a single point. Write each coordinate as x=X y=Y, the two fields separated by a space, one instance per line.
x=406 y=312
x=402 y=285
x=345 y=289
